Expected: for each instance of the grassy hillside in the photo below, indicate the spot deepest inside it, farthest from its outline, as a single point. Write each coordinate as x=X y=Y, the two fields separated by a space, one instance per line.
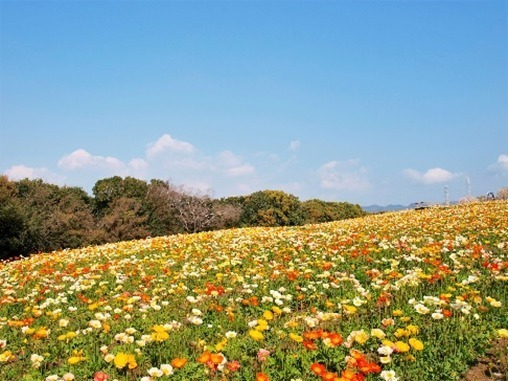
x=407 y=295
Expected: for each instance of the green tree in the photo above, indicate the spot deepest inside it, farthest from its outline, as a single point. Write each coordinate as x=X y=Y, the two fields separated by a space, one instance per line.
x=11 y=220
x=161 y=218
x=121 y=208
x=318 y=211
x=54 y=217
x=123 y=221
x=271 y=208
x=107 y=190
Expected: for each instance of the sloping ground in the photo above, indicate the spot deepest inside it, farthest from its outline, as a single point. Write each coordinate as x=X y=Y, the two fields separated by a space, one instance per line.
x=407 y=295
x=493 y=366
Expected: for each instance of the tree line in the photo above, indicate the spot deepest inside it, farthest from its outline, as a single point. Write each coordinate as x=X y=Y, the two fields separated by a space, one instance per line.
x=36 y=216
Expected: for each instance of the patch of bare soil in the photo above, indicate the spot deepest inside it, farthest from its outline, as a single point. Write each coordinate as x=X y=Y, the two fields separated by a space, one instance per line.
x=491 y=367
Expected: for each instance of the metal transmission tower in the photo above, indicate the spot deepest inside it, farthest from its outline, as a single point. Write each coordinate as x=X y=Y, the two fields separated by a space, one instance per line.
x=468 y=184
x=446 y=195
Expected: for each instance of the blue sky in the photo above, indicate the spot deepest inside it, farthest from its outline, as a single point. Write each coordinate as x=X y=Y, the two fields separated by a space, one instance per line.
x=384 y=102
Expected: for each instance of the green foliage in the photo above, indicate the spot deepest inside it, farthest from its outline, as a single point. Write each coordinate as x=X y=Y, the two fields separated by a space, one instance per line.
x=271 y=208
x=318 y=211
x=11 y=220
x=108 y=190
x=53 y=217
x=123 y=221
x=39 y=217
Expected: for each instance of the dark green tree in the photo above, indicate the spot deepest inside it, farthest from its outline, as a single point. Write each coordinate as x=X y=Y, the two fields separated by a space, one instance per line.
x=318 y=211
x=123 y=221
x=271 y=208
x=54 y=217
x=11 y=220
x=107 y=190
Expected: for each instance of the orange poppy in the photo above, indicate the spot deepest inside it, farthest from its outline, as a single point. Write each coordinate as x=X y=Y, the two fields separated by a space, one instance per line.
x=335 y=339
x=178 y=362
x=216 y=358
x=205 y=357
x=318 y=369
x=329 y=376
x=312 y=335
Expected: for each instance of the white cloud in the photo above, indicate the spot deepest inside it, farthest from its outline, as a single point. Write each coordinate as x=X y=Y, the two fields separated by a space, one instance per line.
x=240 y=170
x=432 y=176
x=167 y=143
x=294 y=145
x=19 y=172
x=167 y=159
x=228 y=158
x=345 y=175
x=82 y=159
x=138 y=164
x=188 y=164
x=231 y=165
x=501 y=165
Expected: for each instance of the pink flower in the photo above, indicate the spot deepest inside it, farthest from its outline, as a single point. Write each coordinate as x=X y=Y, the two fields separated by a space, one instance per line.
x=100 y=376
x=263 y=354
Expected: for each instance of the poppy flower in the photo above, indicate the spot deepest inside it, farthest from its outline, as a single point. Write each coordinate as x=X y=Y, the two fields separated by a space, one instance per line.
x=233 y=366
x=100 y=376
x=318 y=368
x=205 y=357
x=178 y=362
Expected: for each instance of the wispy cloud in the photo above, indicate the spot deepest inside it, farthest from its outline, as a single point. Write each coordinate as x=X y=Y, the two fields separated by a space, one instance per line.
x=294 y=145
x=501 y=165
x=138 y=164
x=343 y=175
x=431 y=176
x=232 y=165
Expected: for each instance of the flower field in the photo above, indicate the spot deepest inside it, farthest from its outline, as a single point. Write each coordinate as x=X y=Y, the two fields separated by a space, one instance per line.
x=396 y=296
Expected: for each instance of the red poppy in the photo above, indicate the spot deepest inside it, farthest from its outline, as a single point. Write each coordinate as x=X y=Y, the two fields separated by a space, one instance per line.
x=318 y=369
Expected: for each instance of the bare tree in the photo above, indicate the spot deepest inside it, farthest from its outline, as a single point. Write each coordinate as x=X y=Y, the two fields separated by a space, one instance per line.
x=502 y=194
x=228 y=215
x=194 y=211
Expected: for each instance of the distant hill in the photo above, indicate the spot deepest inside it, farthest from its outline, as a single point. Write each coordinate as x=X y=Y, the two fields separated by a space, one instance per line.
x=393 y=208
x=388 y=208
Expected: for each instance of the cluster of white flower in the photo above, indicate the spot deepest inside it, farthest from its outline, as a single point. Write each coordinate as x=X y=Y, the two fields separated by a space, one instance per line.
x=65 y=377
x=164 y=370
